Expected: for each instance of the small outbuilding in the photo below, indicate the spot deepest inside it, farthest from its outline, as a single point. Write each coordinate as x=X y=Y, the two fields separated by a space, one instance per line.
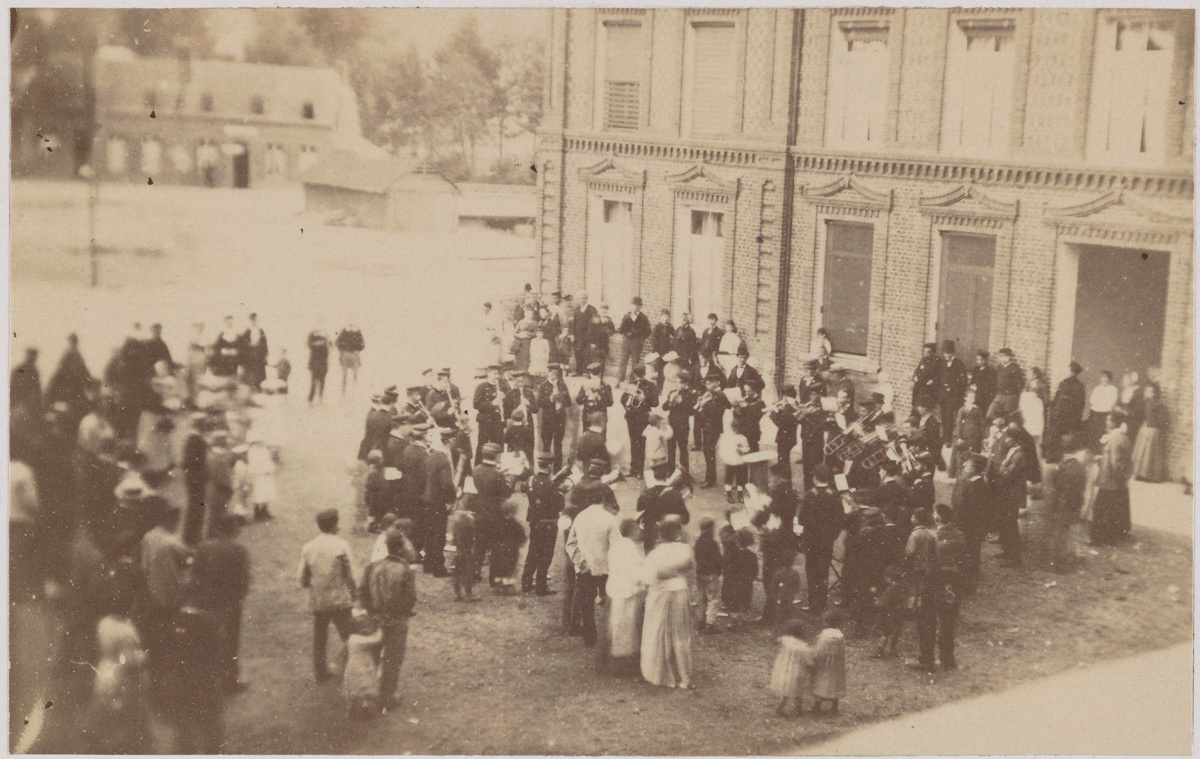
x=383 y=193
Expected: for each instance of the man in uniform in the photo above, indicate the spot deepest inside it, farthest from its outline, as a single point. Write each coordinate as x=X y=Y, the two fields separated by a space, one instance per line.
x=983 y=379
x=822 y=517
x=928 y=435
x=662 y=342
x=413 y=463
x=637 y=401
x=545 y=504
x=927 y=377
x=492 y=489
x=379 y=426
x=443 y=401
x=489 y=411
x=710 y=422
x=973 y=515
x=1010 y=381
x=680 y=404
x=437 y=501
x=594 y=395
x=553 y=403
x=952 y=390
x=687 y=345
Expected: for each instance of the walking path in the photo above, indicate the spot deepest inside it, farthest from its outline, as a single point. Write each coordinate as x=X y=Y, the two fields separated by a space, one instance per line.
x=1139 y=705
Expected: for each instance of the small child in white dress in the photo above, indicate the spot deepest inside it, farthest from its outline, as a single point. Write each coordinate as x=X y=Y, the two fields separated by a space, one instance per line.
x=360 y=681
x=791 y=680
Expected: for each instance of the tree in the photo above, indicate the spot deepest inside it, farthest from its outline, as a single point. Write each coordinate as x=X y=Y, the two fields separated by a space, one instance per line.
x=282 y=39
x=335 y=32
x=518 y=84
x=162 y=31
x=464 y=74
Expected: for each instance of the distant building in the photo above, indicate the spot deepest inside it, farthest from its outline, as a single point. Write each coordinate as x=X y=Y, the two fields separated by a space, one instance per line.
x=998 y=176
x=218 y=123
x=505 y=207
x=387 y=193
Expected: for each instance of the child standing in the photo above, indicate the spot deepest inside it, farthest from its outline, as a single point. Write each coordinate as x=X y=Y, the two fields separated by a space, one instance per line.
x=740 y=570
x=791 y=680
x=509 y=538
x=539 y=354
x=283 y=370
x=462 y=529
x=375 y=491
x=118 y=719
x=360 y=681
x=829 y=662
x=708 y=575
x=260 y=466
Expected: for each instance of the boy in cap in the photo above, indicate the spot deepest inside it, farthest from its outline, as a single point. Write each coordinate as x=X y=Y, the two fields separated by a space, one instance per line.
x=680 y=404
x=710 y=422
x=325 y=570
x=595 y=395
x=662 y=342
x=638 y=400
x=545 y=505
x=635 y=328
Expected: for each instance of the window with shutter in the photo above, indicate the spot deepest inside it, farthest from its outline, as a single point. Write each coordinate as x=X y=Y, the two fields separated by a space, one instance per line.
x=1131 y=88
x=979 y=84
x=622 y=76
x=847 y=301
x=858 y=85
x=714 y=79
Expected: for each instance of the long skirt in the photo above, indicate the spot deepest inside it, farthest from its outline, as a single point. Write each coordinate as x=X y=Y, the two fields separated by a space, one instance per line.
x=667 y=638
x=1110 y=516
x=625 y=624
x=1149 y=458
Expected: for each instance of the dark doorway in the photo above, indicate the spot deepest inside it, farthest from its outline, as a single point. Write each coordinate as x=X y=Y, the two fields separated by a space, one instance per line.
x=1120 y=310
x=241 y=168
x=965 y=305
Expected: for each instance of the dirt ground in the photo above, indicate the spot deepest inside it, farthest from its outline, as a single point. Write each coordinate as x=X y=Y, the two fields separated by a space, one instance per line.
x=497 y=677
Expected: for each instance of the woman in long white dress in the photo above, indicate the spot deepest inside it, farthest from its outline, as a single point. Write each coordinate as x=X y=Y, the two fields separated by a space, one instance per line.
x=667 y=627
x=626 y=596
x=728 y=348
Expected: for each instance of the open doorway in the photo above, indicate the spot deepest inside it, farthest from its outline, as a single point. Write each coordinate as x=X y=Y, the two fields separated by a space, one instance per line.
x=1120 y=310
x=241 y=168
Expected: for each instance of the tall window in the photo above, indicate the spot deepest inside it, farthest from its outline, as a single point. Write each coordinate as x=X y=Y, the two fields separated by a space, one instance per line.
x=276 y=165
x=979 y=86
x=117 y=155
x=256 y=105
x=1131 y=82
x=307 y=111
x=308 y=157
x=847 y=300
x=610 y=252
x=622 y=75
x=699 y=262
x=856 y=106
x=152 y=153
x=206 y=102
x=713 y=106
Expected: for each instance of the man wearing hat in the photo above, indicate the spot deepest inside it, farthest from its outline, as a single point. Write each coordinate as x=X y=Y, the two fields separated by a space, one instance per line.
x=952 y=390
x=413 y=463
x=637 y=401
x=378 y=427
x=590 y=445
x=680 y=404
x=1066 y=413
x=973 y=511
x=927 y=377
x=635 y=328
x=822 y=517
x=927 y=432
x=662 y=342
x=582 y=325
x=437 y=501
x=443 y=400
x=545 y=504
x=553 y=403
x=1006 y=474
x=710 y=422
x=1010 y=381
x=743 y=374
x=521 y=395
x=982 y=377
x=595 y=395
x=492 y=489
x=490 y=410
x=710 y=341
x=686 y=344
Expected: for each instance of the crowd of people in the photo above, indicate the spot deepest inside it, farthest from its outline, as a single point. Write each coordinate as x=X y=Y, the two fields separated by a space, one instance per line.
x=148 y=517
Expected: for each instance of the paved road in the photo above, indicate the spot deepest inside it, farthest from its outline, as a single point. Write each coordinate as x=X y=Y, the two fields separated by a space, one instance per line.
x=1139 y=705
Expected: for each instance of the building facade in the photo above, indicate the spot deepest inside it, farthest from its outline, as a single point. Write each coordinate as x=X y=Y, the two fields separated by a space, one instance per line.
x=1001 y=177
x=218 y=123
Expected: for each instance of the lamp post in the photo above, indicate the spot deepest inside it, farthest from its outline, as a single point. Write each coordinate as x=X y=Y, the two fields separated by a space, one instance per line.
x=87 y=172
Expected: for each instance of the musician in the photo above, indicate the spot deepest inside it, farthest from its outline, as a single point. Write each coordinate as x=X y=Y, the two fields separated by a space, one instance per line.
x=982 y=377
x=785 y=417
x=553 y=401
x=594 y=395
x=927 y=433
x=710 y=342
x=952 y=389
x=742 y=373
x=635 y=328
x=748 y=414
x=545 y=504
x=860 y=475
x=838 y=424
x=812 y=386
x=891 y=496
x=710 y=422
x=492 y=489
x=379 y=426
x=662 y=342
x=661 y=498
x=444 y=401
x=412 y=467
x=838 y=381
x=927 y=377
x=490 y=411
x=590 y=445
x=680 y=404
x=686 y=343
x=822 y=517
x=641 y=396
x=521 y=395
x=438 y=501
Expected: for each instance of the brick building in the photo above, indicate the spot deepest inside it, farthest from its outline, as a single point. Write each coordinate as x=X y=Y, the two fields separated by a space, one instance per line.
x=1003 y=177
x=219 y=123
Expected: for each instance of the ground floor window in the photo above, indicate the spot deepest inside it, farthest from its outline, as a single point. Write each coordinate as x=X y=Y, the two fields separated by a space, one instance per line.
x=610 y=253
x=699 y=262
x=965 y=287
x=117 y=155
x=846 y=303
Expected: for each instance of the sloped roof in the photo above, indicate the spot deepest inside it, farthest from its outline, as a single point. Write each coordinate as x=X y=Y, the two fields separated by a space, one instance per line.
x=352 y=171
x=179 y=86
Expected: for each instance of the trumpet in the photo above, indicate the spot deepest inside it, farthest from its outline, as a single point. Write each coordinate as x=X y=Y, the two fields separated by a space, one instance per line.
x=703 y=401
x=635 y=396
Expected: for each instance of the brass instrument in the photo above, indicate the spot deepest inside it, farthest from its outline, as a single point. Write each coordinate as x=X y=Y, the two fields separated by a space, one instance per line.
x=851 y=443
x=704 y=400
x=635 y=396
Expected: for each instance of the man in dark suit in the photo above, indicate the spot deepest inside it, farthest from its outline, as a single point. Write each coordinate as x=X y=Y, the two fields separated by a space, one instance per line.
x=927 y=377
x=743 y=373
x=638 y=402
x=1066 y=413
x=822 y=517
x=438 y=498
x=586 y=316
x=953 y=389
x=687 y=345
x=379 y=426
x=635 y=328
x=489 y=411
x=1010 y=381
x=553 y=404
x=662 y=342
x=928 y=433
x=710 y=419
x=983 y=379
x=444 y=401
x=710 y=341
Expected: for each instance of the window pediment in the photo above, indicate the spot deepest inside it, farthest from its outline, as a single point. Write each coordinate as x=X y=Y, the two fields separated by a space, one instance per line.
x=967 y=202
x=608 y=174
x=849 y=192
x=701 y=182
